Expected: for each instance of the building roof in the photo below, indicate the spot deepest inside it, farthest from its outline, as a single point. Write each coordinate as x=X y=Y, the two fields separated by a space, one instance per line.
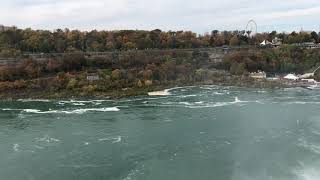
x=265 y=42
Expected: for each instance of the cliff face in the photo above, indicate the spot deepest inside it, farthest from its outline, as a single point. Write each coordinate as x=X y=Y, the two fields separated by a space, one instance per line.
x=214 y=54
x=121 y=73
x=135 y=71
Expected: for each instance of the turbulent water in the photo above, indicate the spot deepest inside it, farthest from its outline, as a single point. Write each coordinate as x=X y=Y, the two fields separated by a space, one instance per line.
x=195 y=133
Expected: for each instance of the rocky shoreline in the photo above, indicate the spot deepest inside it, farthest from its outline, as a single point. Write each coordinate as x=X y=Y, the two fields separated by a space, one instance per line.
x=238 y=81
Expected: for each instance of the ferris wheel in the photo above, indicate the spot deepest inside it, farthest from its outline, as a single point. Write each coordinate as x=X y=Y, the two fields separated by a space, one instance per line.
x=251 y=28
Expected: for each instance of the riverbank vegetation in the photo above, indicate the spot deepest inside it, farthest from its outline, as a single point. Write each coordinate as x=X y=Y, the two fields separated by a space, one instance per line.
x=118 y=72
x=286 y=59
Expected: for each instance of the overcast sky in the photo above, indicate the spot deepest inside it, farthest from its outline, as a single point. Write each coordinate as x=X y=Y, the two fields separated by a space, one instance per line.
x=196 y=15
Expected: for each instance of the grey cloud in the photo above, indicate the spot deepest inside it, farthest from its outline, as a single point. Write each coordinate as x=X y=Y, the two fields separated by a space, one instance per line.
x=200 y=16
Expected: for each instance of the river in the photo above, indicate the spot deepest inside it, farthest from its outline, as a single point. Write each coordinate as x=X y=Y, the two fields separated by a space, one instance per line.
x=194 y=133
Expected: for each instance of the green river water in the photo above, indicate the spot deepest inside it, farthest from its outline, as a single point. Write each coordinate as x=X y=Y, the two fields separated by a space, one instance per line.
x=195 y=133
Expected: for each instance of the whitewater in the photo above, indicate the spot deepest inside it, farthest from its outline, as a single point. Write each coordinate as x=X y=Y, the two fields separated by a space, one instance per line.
x=195 y=132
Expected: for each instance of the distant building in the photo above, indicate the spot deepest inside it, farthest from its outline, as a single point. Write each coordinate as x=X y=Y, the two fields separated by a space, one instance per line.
x=258 y=75
x=276 y=42
x=266 y=43
x=93 y=77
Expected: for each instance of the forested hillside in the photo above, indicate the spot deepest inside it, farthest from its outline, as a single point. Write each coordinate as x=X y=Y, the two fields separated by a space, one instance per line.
x=127 y=71
x=14 y=41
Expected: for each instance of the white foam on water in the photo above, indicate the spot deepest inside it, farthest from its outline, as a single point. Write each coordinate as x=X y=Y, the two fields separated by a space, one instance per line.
x=191 y=95
x=33 y=100
x=76 y=111
x=21 y=116
x=218 y=93
x=81 y=111
x=34 y=111
x=104 y=139
x=37 y=111
x=86 y=143
x=160 y=93
x=117 y=139
x=9 y=109
x=47 y=139
x=16 y=147
x=316 y=133
x=113 y=139
x=185 y=103
x=209 y=87
x=309 y=146
x=78 y=104
x=199 y=102
x=308 y=172
x=134 y=173
x=237 y=100
x=261 y=91
x=218 y=104
x=76 y=166
x=302 y=102
x=168 y=120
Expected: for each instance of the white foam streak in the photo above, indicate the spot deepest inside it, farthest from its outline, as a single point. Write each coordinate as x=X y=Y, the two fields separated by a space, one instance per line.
x=81 y=111
x=76 y=111
x=303 y=102
x=307 y=172
x=160 y=93
x=16 y=147
x=113 y=139
x=309 y=146
x=33 y=100
x=217 y=104
x=310 y=174
x=237 y=100
x=47 y=139
x=82 y=103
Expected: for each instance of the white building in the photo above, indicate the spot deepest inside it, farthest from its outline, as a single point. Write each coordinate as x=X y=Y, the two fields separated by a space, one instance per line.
x=93 y=77
x=265 y=43
x=258 y=75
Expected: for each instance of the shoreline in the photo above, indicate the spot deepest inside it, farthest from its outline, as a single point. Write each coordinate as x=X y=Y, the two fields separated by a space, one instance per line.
x=136 y=92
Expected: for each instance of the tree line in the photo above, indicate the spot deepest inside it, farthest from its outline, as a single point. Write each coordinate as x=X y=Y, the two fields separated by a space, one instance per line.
x=14 y=41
